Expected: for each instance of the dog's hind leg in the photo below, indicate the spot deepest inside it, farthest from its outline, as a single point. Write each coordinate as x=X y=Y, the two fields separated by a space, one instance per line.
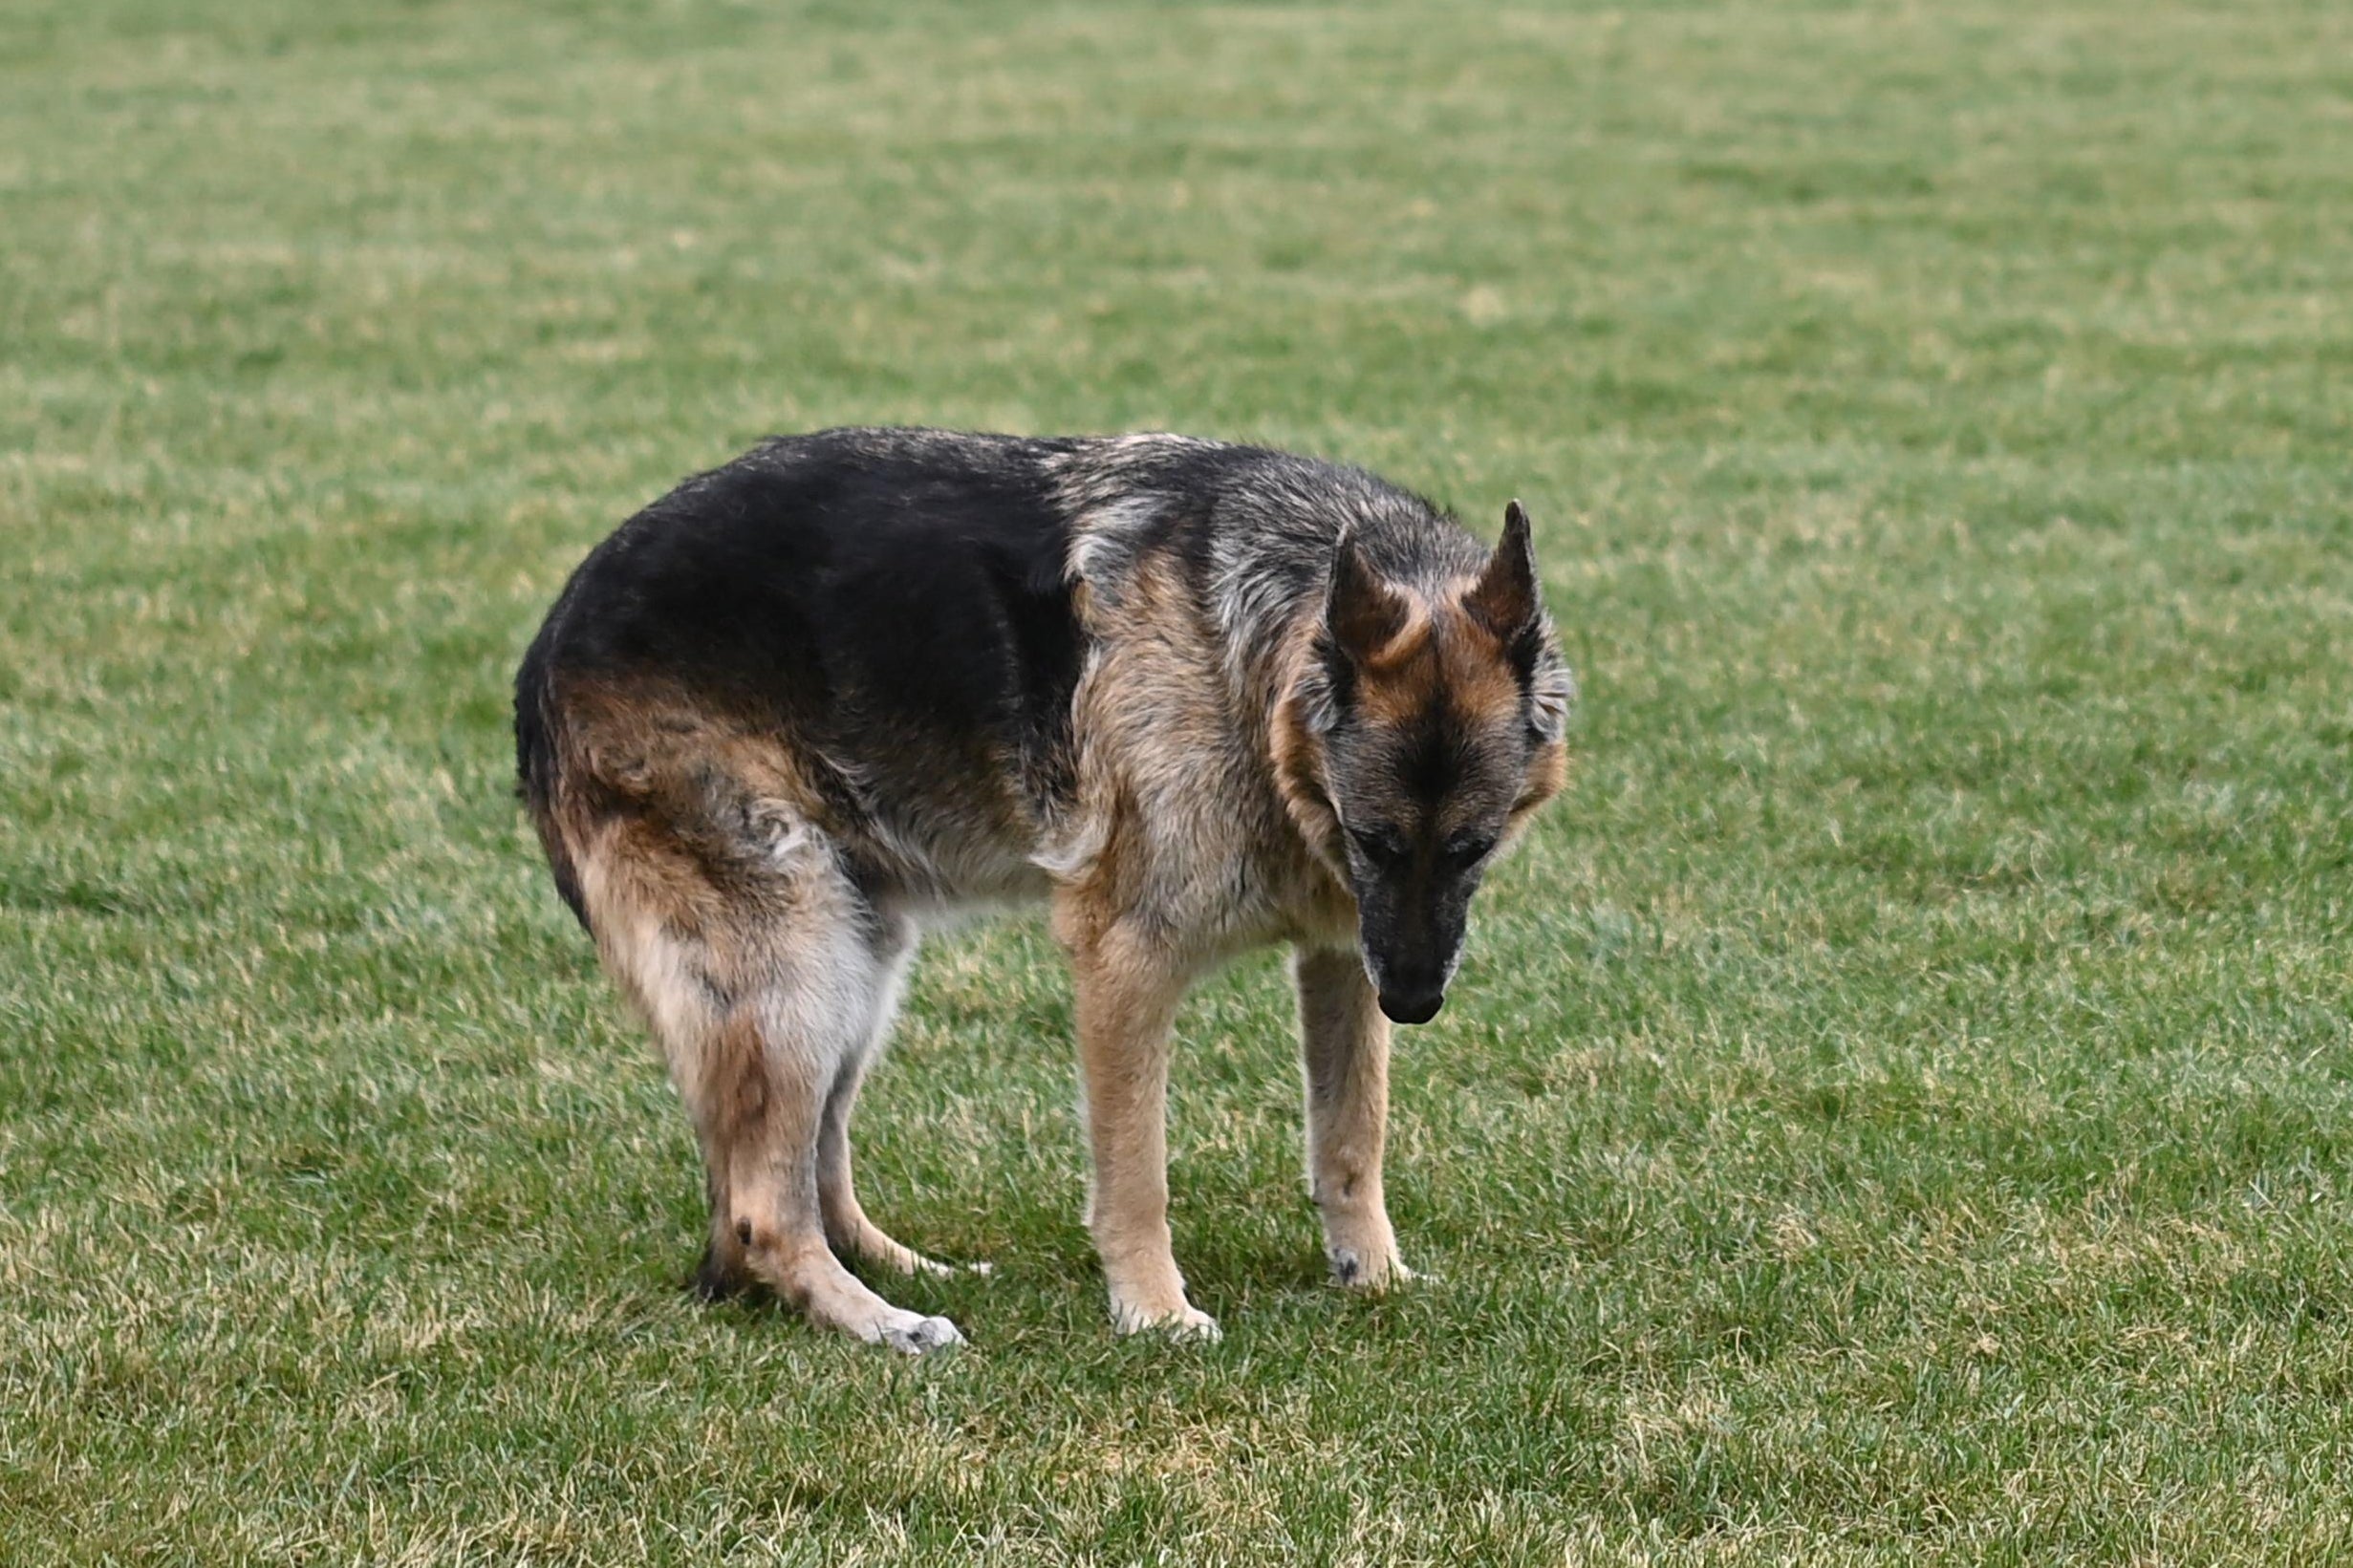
x=851 y=1234
x=787 y=1052
x=763 y=993
x=1343 y=1041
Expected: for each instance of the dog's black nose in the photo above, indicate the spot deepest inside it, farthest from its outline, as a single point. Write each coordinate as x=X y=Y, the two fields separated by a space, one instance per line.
x=1415 y=1006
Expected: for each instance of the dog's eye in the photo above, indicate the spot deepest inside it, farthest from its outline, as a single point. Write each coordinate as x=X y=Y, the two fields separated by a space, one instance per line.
x=1470 y=850
x=1377 y=845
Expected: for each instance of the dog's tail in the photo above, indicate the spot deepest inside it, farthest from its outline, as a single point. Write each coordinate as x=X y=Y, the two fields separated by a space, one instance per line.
x=538 y=764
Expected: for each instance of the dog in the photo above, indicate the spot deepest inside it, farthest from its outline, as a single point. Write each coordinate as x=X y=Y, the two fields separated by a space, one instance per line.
x=1199 y=698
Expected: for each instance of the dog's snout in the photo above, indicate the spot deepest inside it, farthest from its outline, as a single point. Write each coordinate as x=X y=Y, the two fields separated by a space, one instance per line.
x=1411 y=1005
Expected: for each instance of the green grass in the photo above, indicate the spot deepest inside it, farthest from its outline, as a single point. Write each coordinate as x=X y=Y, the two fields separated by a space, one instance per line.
x=1898 y=1109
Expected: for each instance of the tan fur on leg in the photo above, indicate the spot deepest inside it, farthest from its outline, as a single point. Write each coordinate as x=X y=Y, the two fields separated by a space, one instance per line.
x=1126 y=996
x=1345 y=1045
x=847 y=1227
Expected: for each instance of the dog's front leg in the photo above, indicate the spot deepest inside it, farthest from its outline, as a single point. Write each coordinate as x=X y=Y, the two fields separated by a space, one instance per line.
x=1345 y=1042
x=1126 y=993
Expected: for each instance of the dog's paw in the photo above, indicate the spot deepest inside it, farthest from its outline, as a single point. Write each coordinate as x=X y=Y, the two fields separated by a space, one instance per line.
x=1186 y=1323
x=1194 y=1325
x=1368 y=1270
x=919 y=1336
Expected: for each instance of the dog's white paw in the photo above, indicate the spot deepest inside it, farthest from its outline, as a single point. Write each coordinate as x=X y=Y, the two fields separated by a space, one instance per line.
x=917 y=1335
x=1186 y=1323
x=1194 y=1325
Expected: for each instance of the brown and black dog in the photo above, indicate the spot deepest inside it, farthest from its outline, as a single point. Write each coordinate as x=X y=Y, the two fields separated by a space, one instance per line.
x=1200 y=697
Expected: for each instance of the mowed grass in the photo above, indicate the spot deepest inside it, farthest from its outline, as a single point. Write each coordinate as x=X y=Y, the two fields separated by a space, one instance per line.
x=1897 y=1109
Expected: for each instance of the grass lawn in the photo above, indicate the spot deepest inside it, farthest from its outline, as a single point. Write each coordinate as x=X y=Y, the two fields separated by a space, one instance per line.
x=1899 y=1107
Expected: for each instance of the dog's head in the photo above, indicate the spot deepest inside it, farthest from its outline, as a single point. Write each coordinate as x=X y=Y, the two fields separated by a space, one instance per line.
x=1425 y=728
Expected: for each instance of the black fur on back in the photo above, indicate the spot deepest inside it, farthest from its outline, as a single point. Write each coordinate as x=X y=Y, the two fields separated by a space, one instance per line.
x=853 y=591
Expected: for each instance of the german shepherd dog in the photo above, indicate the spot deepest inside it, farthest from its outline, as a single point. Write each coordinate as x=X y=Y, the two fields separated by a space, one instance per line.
x=1197 y=697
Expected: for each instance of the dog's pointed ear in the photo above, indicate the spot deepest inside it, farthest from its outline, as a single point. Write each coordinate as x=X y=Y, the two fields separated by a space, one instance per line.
x=1508 y=601
x=1505 y=598
x=1362 y=613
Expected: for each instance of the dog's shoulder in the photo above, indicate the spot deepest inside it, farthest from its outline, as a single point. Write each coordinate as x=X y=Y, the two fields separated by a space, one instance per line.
x=1243 y=534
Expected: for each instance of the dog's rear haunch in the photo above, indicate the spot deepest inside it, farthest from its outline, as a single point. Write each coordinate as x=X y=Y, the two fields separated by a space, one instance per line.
x=1199 y=698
